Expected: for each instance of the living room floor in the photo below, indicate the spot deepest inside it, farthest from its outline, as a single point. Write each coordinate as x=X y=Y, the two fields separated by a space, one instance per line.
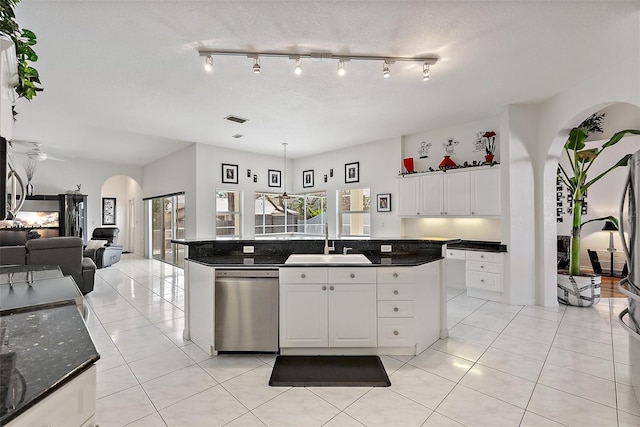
x=502 y=365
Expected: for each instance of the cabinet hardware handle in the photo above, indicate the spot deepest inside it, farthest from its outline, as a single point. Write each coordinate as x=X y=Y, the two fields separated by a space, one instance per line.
x=473 y=213
x=395 y=332
x=482 y=280
x=395 y=292
x=331 y=288
x=395 y=274
x=303 y=275
x=324 y=288
x=481 y=256
x=482 y=266
x=352 y=275
x=395 y=309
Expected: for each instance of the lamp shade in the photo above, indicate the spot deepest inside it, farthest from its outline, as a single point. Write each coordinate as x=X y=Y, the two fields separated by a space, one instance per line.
x=609 y=226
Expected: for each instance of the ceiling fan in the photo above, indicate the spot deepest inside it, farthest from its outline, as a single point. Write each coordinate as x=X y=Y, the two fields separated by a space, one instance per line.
x=35 y=153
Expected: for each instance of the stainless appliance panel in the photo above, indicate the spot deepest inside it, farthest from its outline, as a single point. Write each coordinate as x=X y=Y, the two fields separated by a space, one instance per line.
x=246 y=310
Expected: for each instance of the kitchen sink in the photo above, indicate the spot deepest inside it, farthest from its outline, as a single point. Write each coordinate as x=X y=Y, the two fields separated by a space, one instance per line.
x=327 y=259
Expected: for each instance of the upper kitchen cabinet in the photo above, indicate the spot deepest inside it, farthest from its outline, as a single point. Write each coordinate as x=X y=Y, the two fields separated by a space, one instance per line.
x=457 y=193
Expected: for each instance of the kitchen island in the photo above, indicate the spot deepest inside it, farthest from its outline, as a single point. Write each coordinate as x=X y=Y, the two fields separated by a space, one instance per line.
x=394 y=305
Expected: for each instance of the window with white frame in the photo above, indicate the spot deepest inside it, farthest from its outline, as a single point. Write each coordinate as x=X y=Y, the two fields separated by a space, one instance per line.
x=228 y=218
x=299 y=214
x=355 y=217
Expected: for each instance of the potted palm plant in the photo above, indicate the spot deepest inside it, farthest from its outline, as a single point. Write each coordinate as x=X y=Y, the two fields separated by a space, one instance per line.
x=576 y=287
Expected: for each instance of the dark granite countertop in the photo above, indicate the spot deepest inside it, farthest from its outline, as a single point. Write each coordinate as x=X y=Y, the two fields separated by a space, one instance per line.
x=47 y=347
x=276 y=261
x=476 y=245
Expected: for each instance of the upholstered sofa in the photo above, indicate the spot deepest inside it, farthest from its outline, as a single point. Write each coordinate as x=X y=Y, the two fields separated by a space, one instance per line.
x=65 y=252
x=103 y=247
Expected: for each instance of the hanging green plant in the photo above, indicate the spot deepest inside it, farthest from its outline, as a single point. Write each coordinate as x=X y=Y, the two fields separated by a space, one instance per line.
x=28 y=84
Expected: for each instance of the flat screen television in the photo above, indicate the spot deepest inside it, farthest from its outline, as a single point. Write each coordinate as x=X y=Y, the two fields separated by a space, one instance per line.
x=40 y=219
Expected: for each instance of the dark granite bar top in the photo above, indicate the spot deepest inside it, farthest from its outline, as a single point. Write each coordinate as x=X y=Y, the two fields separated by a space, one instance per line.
x=475 y=245
x=40 y=351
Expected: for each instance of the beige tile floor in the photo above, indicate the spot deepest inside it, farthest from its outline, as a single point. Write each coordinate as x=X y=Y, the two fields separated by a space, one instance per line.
x=502 y=366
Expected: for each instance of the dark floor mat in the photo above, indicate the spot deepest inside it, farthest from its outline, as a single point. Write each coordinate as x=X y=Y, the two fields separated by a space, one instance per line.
x=329 y=371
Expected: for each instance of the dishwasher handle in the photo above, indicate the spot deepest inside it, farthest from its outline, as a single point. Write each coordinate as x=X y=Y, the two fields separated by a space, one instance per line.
x=248 y=272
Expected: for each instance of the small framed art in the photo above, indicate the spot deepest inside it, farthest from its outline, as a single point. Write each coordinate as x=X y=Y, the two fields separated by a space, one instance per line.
x=307 y=179
x=352 y=172
x=108 y=211
x=229 y=173
x=384 y=202
x=275 y=178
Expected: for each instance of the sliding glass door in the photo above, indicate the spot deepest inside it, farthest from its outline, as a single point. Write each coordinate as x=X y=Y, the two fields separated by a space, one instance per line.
x=167 y=223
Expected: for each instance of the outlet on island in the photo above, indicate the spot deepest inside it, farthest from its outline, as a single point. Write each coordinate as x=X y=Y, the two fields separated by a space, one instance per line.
x=385 y=248
x=247 y=249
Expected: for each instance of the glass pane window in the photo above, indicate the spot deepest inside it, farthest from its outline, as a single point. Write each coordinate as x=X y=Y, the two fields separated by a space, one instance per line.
x=228 y=213
x=300 y=214
x=355 y=217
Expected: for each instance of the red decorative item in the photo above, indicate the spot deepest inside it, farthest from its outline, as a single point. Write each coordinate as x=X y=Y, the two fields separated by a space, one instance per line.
x=447 y=163
x=408 y=164
x=489 y=158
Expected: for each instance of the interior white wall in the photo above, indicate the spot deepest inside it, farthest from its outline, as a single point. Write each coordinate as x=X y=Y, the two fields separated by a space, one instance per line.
x=56 y=177
x=124 y=189
x=173 y=174
x=379 y=165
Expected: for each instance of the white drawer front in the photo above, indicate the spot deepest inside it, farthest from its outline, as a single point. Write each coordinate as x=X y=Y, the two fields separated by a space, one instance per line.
x=395 y=275
x=484 y=256
x=400 y=291
x=484 y=267
x=395 y=308
x=352 y=275
x=303 y=275
x=486 y=281
x=396 y=332
x=455 y=254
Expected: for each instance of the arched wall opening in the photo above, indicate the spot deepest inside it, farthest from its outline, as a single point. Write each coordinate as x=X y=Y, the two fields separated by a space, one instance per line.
x=603 y=198
x=129 y=213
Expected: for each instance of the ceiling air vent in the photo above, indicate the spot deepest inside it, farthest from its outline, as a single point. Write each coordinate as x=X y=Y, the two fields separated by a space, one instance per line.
x=235 y=119
x=237 y=135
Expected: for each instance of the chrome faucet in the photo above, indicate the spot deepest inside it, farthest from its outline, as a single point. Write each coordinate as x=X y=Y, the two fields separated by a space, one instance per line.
x=345 y=250
x=327 y=248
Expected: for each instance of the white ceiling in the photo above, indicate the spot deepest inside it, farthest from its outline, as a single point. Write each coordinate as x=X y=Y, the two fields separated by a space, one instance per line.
x=124 y=82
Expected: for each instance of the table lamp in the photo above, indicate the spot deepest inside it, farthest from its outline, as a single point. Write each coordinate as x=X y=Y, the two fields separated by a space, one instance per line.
x=611 y=228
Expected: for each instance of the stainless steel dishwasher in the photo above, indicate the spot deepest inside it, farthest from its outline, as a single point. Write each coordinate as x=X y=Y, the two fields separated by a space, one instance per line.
x=246 y=310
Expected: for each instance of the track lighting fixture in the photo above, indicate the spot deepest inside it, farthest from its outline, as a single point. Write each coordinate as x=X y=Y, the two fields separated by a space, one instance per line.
x=427 y=61
x=208 y=64
x=386 y=71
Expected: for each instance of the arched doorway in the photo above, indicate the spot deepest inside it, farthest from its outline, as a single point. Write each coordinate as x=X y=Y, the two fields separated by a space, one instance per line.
x=603 y=198
x=127 y=193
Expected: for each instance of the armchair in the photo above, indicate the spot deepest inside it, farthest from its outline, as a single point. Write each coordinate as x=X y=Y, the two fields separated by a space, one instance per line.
x=65 y=252
x=103 y=247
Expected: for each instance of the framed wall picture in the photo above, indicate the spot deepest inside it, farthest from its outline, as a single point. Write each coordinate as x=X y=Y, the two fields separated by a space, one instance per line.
x=384 y=202
x=307 y=179
x=275 y=178
x=108 y=211
x=229 y=174
x=352 y=172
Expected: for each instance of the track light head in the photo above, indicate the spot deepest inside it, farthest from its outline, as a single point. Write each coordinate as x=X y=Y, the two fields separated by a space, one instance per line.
x=208 y=64
x=425 y=72
x=386 y=70
x=341 y=70
x=298 y=68
x=256 y=66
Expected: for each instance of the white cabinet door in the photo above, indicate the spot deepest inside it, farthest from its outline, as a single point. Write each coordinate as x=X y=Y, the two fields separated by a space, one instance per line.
x=485 y=192
x=431 y=195
x=352 y=315
x=408 y=196
x=456 y=194
x=303 y=315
